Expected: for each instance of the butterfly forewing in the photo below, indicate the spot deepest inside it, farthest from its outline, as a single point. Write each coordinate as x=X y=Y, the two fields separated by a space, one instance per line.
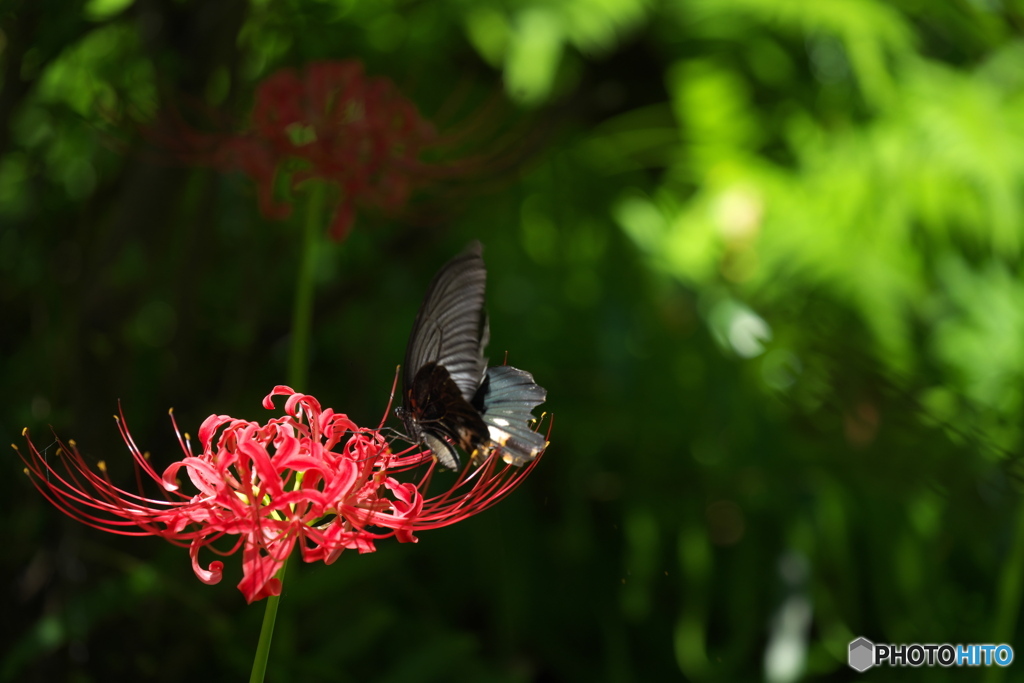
x=451 y=328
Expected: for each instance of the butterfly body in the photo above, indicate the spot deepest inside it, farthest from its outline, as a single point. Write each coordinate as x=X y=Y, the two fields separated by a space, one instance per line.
x=436 y=405
x=451 y=398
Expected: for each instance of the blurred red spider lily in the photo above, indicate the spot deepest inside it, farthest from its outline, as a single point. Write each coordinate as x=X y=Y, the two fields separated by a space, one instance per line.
x=327 y=121
x=311 y=478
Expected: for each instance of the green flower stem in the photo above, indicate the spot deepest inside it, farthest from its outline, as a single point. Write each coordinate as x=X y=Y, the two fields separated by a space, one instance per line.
x=298 y=371
x=1008 y=597
x=259 y=664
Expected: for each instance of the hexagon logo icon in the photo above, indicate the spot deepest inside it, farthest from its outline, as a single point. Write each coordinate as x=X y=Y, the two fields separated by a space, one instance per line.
x=862 y=655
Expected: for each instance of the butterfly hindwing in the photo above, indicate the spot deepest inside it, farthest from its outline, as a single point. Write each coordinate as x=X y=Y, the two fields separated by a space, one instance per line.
x=506 y=400
x=436 y=411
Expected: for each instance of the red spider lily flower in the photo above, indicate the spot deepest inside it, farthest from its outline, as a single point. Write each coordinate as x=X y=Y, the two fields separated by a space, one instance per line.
x=311 y=479
x=329 y=122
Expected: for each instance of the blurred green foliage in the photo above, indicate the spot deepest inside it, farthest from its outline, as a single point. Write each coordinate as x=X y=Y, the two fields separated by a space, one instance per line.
x=764 y=254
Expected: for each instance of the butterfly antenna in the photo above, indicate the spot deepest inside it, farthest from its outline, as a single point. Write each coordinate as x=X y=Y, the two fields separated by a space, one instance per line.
x=395 y=435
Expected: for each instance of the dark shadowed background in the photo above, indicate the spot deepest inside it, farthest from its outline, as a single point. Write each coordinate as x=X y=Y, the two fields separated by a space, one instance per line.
x=765 y=256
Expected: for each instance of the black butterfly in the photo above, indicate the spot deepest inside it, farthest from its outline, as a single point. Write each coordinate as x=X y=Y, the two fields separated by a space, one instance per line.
x=450 y=396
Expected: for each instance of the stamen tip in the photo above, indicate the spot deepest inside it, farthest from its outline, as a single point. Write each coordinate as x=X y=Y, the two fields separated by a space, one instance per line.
x=24 y=431
x=27 y=473
x=187 y=437
x=72 y=443
x=102 y=466
x=170 y=411
x=146 y=455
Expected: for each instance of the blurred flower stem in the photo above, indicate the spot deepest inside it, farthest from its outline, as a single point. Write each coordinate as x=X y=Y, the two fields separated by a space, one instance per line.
x=298 y=371
x=1009 y=596
x=302 y=314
